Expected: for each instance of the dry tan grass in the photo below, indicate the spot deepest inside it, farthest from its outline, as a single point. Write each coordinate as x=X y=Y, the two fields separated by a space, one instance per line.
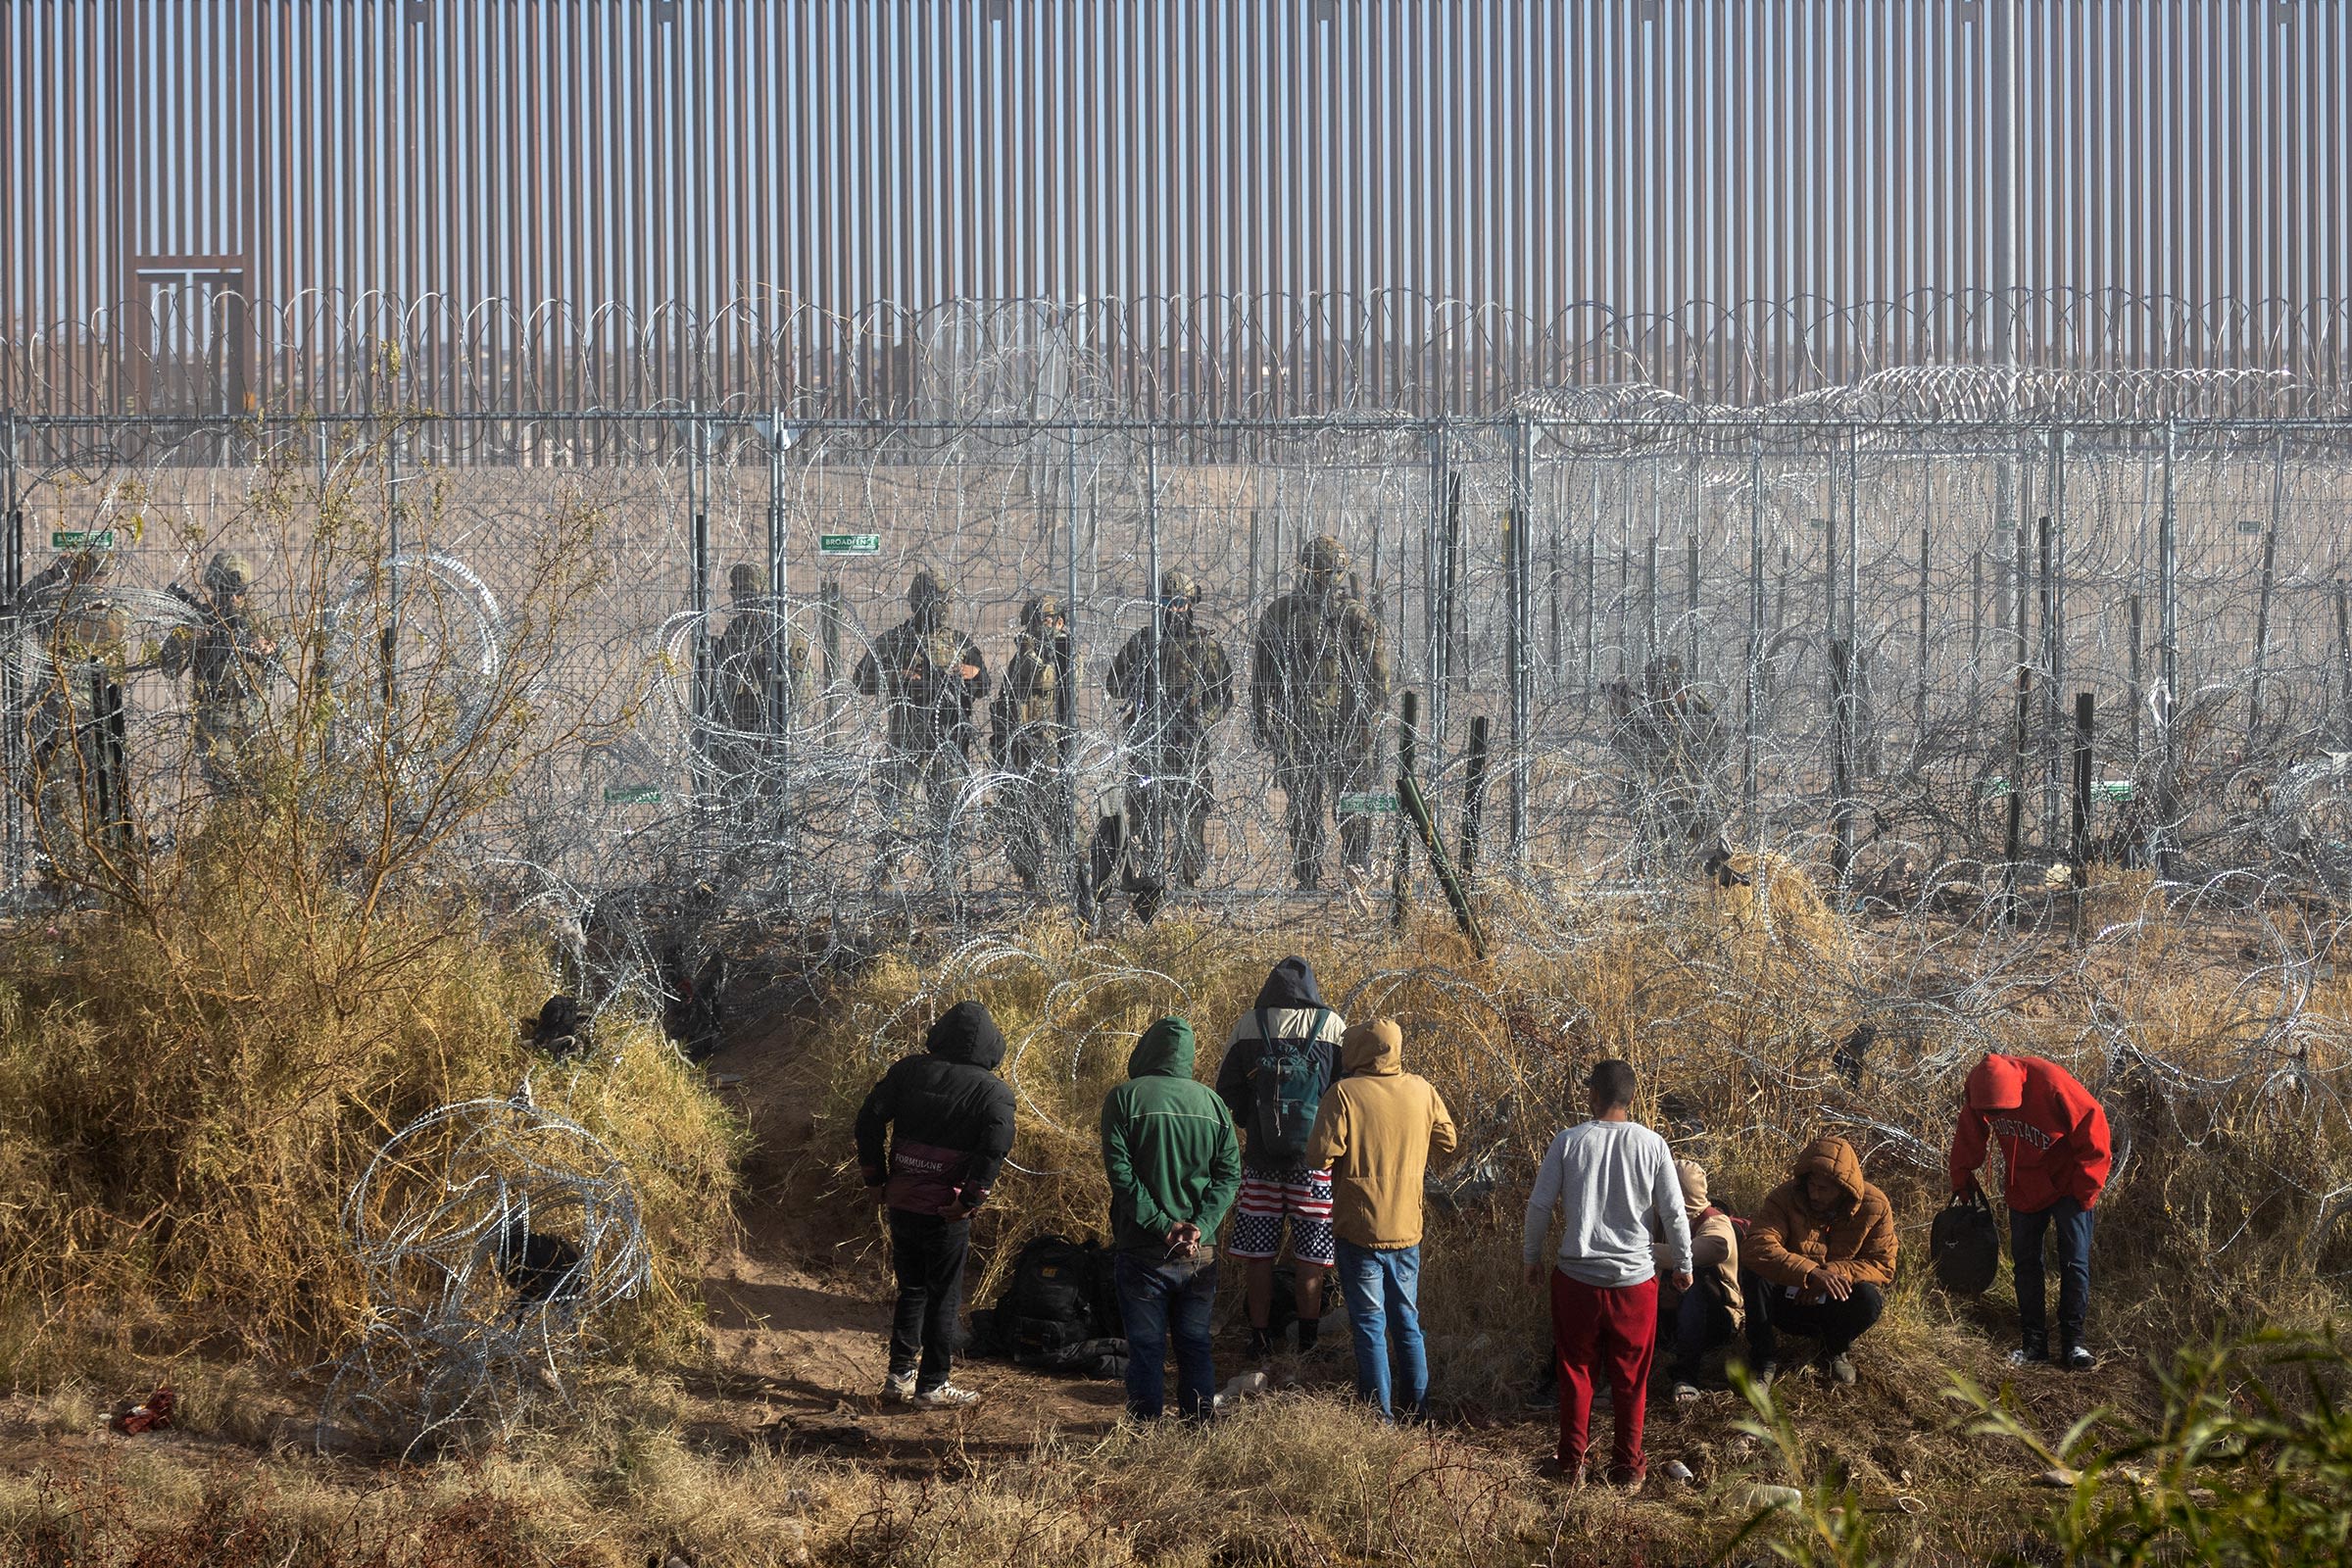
x=187 y=1092
x=1737 y=1011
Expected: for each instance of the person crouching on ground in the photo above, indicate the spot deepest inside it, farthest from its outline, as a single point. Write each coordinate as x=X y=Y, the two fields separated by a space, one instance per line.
x=1709 y=1313
x=1822 y=1251
x=1612 y=1178
x=2055 y=1156
x=1375 y=1133
x=1174 y=1163
x=1282 y=1057
x=950 y=1121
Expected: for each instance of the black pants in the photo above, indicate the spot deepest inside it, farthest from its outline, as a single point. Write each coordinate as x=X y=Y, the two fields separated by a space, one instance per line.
x=928 y=1253
x=1694 y=1325
x=2070 y=1223
x=1836 y=1324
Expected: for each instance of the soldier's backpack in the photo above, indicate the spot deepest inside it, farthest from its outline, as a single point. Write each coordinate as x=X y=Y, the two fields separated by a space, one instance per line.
x=1965 y=1243
x=1049 y=1306
x=1286 y=1085
x=1327 y=683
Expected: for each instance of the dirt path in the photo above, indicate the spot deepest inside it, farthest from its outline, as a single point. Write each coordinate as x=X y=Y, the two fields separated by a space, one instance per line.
x=799 y=1312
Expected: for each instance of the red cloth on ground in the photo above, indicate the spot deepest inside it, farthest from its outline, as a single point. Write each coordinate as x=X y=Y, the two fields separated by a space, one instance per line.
x=1612 y=1333
x=2053 y=1135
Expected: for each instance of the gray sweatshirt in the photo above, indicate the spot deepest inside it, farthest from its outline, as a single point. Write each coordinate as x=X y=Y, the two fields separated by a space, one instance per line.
x=1613 y=1178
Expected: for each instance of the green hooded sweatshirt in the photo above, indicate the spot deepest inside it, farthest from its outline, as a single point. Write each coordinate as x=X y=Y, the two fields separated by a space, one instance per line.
x=1168 y=1146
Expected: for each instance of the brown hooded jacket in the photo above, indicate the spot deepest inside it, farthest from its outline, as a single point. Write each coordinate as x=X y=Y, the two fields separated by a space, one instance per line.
x=1853 y=1238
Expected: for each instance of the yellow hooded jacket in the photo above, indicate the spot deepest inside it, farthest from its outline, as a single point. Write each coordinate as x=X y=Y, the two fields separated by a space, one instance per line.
x=1375 y=1132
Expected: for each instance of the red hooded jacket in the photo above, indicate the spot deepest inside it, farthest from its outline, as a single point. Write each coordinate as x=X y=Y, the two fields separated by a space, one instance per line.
x=2053 y=1134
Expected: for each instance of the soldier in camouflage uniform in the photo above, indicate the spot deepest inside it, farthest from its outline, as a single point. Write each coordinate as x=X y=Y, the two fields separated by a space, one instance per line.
x=1318 y=683
x=1166 y=714
x=741 y=656
x=81 y=636
x=1029 y=721
x=1674 y=745
x=228 y=661
x=930 y=676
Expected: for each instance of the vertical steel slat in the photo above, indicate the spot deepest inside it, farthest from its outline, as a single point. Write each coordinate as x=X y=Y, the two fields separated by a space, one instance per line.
x=20 y=288
x=1245 y=179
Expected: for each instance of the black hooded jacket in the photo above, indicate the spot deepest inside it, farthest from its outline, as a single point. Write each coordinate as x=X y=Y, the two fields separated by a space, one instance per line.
x=1293 y=1009
x=949 y=1117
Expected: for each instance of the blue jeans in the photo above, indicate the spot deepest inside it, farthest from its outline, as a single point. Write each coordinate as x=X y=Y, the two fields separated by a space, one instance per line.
x=2072 y=1221
x=1381 y=1286
x=1160 y=1302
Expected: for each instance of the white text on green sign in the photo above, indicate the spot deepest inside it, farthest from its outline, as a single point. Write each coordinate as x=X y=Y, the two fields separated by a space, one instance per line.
x=848 y=544
x=632 y=794
x=81 y=539
x=1366 y=805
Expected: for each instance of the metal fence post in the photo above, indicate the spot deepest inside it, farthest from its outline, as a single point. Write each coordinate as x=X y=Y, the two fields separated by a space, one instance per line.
x=2262 y=610
x=1853 y=556
x=388 y=651
x=777 y=706
x=2343 y=661
x=1650 y=609
x=1755 y=636
x=2079 y=842
x=2053 y=647
x=1432 y=579
x=1919 y=702
x=1552 y=576
x=2135 y=692
x=1082 y=889
x=2050 y=741
x=2168 y=659
x=1522 y=629
x=1690 y=603
x=698 y=552
x=1841 y=766
x=1591 y=604
x=1153 y=716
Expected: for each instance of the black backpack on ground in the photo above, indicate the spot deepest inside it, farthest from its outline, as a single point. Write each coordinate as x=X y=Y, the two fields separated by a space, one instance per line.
x=1052 y=1304
x=1966 y=1243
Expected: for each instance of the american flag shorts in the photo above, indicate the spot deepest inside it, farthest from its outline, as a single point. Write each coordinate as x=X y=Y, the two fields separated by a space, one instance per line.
x=1268 y=1199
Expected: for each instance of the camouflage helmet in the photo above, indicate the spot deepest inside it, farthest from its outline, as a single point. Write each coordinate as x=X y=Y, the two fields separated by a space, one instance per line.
x=229 y=569
x=1174 y=585
x=1041 y=609
x=745 y=579
x=927 y=591
x=1323 y=556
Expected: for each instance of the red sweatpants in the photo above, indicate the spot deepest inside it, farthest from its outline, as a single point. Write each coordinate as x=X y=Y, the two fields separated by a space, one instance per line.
x=1603 y=1331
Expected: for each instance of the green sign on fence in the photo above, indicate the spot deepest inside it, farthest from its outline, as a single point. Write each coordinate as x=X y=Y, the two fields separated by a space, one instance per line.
x=632 y=794
x=1995 y=786
x=2249 y=526
x=848 y=544
x=2112 y=789
x=83 y=539
x=1368 y=802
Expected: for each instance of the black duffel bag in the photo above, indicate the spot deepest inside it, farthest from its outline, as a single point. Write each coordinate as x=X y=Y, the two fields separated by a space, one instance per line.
x=1966 y=1240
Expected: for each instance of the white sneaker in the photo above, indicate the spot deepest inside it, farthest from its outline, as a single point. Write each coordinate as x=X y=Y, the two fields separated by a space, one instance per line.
x=946 y=1396
x=897 y=1388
